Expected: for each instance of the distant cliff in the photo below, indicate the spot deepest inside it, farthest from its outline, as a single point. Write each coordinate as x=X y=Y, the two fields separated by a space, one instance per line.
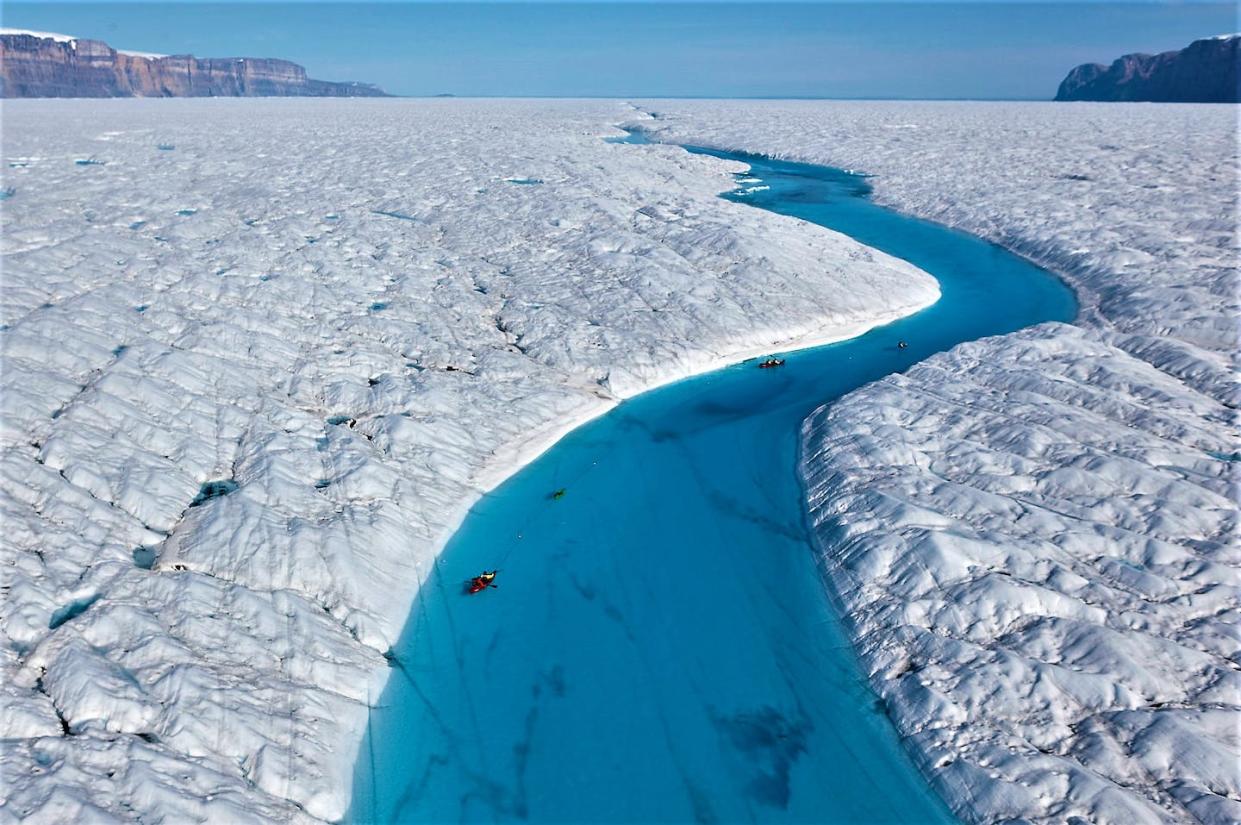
x=35 y=64
x=1205 y=71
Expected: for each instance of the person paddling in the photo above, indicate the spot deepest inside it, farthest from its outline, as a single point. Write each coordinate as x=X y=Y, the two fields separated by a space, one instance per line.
x=482 y=581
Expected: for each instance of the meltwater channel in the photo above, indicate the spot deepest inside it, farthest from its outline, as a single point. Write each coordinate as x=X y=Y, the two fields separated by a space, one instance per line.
x=661 y=646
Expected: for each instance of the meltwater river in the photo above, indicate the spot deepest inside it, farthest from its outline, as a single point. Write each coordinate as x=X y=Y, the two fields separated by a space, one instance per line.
x=662 y=647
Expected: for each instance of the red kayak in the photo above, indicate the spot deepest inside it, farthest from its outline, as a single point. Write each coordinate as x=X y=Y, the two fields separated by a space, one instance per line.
x=480 y=583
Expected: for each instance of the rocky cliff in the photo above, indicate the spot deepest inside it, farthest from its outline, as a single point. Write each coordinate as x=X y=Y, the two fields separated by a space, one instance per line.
x=1205 y=71
x=33 y=64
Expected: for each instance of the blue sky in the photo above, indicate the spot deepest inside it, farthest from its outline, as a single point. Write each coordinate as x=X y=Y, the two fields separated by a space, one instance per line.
x=647 y=49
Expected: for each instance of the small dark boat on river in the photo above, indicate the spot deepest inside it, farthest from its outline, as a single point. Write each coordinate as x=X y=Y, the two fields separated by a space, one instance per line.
x=481 y=582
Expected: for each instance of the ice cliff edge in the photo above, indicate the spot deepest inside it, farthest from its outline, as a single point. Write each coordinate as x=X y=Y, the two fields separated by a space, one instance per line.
x=38 y=64
x=1205 y=71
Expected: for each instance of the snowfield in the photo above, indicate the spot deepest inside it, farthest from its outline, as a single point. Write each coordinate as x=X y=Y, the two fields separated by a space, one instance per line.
x=259 y=358
x=73 y=41
x=1034 y=537
x=59 y=38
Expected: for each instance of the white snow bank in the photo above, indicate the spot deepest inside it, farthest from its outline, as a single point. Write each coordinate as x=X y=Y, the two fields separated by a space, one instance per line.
x=68 y=38
x=143 y=55
x=59 y=38
x=277 y=364
x=1034 y=536
x=1035 y=543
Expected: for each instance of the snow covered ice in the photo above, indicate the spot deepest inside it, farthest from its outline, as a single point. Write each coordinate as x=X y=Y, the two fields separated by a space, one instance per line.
x=260 y=358
x=252 y=382
x=1034 y=537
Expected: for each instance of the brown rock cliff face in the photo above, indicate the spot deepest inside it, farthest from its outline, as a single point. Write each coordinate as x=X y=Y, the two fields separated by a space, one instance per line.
x=1205 y=71
x=42 y=67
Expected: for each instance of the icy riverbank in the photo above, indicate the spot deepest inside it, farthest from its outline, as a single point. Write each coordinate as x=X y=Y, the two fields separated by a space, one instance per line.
x=1034 y=536
x=599 y=656
x=260 y=356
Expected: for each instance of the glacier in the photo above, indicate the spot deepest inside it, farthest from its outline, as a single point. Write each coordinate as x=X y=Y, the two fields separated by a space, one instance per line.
x=1034 y=537
x=260 y=357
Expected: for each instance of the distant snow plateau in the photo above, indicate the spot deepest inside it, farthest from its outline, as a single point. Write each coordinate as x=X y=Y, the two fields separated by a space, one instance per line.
x=59 y=38
x=260 y=357
x=1034 y=537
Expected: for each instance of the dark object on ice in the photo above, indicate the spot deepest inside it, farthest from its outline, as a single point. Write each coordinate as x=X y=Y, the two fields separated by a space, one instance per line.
x=771 y=362
x=559 y=494
x=1205 y=71
x=481 y=582
x=213 y=489
x=901 y=345
x=72 y=610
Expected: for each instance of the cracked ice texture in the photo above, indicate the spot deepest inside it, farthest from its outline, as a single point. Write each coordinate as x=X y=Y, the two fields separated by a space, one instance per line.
x=1034 y=537
x=349 y=310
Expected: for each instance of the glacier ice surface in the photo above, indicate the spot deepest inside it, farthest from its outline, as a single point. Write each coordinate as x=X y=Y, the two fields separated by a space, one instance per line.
x=251 y=386
x=1034 y=536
